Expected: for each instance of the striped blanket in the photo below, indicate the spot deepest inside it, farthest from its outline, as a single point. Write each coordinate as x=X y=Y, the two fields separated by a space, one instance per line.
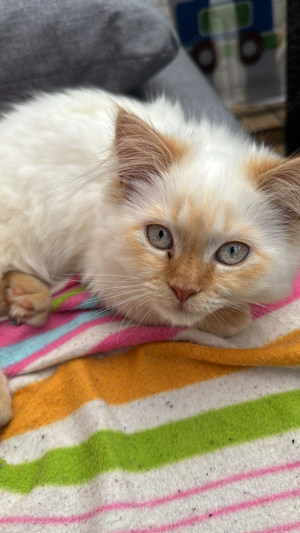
x=150 y=437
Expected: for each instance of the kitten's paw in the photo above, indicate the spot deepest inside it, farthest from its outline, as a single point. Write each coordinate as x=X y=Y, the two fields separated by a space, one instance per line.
x=6 y=413
x=28 y=299
x=226 y=322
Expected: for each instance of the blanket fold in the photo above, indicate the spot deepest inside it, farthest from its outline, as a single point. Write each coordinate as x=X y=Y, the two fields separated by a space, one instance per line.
x=78 y=325
x=149 y=433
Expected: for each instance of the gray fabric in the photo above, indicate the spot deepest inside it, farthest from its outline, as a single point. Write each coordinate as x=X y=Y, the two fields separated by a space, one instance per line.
x=50 y=44
x=182 y=80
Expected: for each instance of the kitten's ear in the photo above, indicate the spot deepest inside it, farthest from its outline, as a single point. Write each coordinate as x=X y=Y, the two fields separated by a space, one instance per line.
x=143 y=152
x=279 y=182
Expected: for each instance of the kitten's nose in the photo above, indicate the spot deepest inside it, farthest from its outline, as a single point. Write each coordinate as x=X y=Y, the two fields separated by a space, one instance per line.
x=182 y=294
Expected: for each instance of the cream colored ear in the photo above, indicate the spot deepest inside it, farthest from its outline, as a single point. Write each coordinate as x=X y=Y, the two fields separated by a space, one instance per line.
x=280 y=183
x=143 y=152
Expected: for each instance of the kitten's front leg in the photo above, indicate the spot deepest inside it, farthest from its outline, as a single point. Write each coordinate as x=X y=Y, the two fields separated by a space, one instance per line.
x=3 y=304
x=226 y=322
x=5 y=401
x=26 y=298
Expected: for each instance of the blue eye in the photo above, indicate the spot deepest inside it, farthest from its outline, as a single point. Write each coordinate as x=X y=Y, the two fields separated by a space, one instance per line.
x=159 y=236
x=232 y=253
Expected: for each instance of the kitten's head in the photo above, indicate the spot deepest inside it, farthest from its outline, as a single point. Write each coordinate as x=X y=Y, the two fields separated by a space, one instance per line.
x=195 y=223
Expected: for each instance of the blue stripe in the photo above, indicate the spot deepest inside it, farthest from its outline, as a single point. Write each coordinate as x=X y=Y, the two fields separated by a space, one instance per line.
x=21 y=350
x=89 y=303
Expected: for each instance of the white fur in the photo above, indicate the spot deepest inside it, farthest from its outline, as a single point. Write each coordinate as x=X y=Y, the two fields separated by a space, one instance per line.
x=55 y=218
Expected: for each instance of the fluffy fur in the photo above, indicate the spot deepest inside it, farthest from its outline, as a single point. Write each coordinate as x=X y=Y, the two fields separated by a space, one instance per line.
x=83 y=173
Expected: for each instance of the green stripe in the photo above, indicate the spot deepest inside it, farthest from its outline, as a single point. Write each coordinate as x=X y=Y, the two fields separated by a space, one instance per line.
x=272 y=41
x=57 y=302
x=110 y=450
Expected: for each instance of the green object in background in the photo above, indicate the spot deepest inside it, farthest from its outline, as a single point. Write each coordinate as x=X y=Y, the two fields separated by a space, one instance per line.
x=272 y=41
x=225 y=18
x=228 y=49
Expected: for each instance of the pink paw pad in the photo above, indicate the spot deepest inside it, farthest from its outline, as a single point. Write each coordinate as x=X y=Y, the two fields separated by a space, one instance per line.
x=26 y=304
x=19 y=291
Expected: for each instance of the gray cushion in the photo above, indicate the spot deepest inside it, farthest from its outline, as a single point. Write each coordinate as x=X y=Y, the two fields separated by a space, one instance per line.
x=115 y=44
x=182 y=80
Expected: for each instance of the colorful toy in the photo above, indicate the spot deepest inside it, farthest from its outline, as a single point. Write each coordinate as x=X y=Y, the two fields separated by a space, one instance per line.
x=211 y=33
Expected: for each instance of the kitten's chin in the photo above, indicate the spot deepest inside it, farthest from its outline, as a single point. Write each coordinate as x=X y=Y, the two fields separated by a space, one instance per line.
x=225 y=322
x=165 y=317
x=157 y=315
x=176 y=318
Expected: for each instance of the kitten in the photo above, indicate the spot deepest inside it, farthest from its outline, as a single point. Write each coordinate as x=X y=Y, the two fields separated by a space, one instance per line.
x=23 y=298
x=171 y=223
x=5 y=401
x=5 y=398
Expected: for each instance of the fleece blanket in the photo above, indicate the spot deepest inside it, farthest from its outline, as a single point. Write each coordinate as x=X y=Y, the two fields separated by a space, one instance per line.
x=121 y=428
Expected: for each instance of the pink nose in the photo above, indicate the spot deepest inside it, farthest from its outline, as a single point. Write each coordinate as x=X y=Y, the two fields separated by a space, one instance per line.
x=182 y=294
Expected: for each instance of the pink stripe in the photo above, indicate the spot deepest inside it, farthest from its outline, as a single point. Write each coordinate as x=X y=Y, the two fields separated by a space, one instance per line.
x=17 y=368
x=223 y=511
x=136 y=335
x=258 y=311
x=161 y=501
x=70 y=284
x=11 y=334
x=280 y=529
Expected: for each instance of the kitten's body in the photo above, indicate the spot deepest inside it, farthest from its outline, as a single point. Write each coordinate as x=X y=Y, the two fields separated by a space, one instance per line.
x=84 y=173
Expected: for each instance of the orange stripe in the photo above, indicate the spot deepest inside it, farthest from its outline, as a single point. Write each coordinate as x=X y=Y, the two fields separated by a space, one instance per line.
x=144 y=370
x=283 y=351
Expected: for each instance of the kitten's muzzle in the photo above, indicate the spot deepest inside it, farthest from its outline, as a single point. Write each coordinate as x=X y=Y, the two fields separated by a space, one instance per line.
x=182 y=294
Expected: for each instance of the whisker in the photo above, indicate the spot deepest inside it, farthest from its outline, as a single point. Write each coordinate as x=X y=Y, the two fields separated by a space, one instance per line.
x=145 y=317
x=145 y=300
x=125 y=317
x=230 y=316
x=124 y=303
x=98 y=298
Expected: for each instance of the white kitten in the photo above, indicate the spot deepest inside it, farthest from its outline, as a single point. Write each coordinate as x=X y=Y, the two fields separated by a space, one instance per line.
x=170 y=222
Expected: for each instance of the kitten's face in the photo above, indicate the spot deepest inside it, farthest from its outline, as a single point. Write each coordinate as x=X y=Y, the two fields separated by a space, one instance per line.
x=195 y=229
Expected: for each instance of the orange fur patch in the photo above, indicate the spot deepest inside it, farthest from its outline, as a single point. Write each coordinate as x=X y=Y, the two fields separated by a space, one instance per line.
x=188 y=272
x=142 y=151
x=256 y=167
x=280 y=180
x=141 y=257
x=177 y=147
